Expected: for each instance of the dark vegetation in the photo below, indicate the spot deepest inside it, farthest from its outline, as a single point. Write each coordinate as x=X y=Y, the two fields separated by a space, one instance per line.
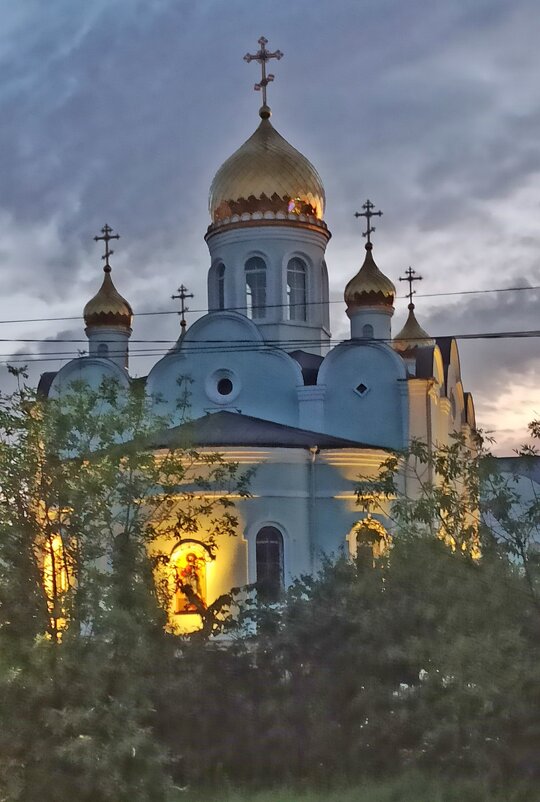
x=419 y=663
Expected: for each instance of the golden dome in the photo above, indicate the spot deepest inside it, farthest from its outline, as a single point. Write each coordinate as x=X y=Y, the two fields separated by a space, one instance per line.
x=108 y=308
x=412 y=335
x=369 y=287
x=266 y=174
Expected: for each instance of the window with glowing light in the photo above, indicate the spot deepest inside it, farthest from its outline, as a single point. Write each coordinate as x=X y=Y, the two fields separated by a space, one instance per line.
x=188 y=562
x=269 y=557
x=56 y=580
x=55 y=568
x=371 y=534
x=255 y=287
x=296 y=289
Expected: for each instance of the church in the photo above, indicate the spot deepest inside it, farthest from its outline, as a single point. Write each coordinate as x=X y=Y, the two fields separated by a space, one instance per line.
x=267 y=388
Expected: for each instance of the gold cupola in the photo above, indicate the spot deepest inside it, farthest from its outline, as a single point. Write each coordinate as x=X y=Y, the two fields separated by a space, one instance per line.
x=268 y=179
x=107 y=307
x=369 y=287
x=412 y=335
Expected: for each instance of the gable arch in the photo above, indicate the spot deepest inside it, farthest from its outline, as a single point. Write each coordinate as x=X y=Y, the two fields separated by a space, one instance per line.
x=366 y=394
x=91 y=370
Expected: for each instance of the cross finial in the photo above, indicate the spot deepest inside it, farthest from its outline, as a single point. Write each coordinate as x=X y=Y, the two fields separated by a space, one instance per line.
x=368 y=213
x=182 y=295
x=410 y=276
x=106 y=237
x=262 y=56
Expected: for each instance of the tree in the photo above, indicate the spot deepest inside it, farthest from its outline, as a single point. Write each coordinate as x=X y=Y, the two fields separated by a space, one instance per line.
x=88 y=513
x=511 y=509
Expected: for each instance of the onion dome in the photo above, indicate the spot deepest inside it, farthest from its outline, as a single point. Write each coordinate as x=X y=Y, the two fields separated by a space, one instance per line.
x=107 y=308
x=412 y=335
x=266 y=177
x=369 y=287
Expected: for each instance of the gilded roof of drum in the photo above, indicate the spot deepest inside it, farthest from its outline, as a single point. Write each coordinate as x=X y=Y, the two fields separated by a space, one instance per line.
x=267 y=165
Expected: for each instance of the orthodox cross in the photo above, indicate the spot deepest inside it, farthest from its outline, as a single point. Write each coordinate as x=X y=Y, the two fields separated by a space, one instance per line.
x=262 y=56
x=368 y=213
x=107 y=236
x=182 y=295
x=410 y=276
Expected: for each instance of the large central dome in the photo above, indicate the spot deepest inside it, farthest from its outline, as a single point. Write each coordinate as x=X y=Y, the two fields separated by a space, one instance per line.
x=266 y=174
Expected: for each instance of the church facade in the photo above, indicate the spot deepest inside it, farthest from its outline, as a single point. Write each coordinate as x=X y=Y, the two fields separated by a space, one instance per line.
x=267 y=387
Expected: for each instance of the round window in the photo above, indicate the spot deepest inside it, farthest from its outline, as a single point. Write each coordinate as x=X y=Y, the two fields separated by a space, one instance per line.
x=224 y=386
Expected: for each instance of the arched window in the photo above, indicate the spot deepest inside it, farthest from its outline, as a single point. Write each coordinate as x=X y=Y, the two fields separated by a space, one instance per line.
x=367 y=331
x=269 y=556
x=296 y=289
x=56 y=580
x=220 y=272
x=103 y=350
x=188 y=561
x=371 y=535
x=255 y=287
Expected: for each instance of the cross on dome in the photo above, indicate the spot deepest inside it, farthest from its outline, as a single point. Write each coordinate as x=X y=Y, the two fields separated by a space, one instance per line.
x=182 y=295
x=262 y=56
x=410 y=276
x=107 y=236
x=368 y=213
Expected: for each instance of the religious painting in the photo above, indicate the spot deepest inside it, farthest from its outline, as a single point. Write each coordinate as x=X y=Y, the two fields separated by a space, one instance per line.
x=189 y=566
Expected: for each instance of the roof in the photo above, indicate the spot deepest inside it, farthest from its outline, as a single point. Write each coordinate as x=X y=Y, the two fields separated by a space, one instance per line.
x=527 y=466
x=310 y=364
x=44 y=384
x=267 y=169
x=234 y=429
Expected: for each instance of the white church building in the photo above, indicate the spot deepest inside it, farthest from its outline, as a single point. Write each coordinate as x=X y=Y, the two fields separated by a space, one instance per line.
x=267 y=389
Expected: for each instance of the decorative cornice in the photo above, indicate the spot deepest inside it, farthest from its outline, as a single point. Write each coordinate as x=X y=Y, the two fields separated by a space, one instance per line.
x=270 y=219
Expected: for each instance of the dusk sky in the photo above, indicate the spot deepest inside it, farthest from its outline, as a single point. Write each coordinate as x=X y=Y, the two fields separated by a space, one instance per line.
x=123 y=110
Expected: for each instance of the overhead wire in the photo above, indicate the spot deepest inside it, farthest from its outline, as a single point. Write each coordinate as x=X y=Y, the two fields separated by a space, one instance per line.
x=276 y=306
x=225 y=346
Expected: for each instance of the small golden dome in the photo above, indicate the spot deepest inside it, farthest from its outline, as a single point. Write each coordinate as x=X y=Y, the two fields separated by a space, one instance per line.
x=108 y=308
x=266 y=174
x=412 y=335
x=369 y=287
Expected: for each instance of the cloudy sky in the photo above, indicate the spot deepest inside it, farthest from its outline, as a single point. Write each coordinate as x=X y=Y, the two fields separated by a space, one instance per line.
x=122 y=111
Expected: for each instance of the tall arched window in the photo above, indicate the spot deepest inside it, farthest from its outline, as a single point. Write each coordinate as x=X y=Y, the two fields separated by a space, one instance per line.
x=220 y=272
x=269 y=556
x=296 y=289
x=103 y=350
x=255 y=287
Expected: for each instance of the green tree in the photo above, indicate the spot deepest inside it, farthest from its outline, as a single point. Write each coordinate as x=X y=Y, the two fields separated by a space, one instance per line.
x=88 y=512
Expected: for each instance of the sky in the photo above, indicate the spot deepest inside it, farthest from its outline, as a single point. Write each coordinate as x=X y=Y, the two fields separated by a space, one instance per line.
x=121 y=111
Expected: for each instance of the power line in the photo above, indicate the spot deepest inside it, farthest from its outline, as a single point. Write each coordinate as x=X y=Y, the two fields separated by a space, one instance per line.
x=275 y=306
x=240 y=346
x=284 y=343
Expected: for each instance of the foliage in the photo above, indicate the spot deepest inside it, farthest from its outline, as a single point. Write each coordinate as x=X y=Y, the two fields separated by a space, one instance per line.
x=418 y=658
x=88 y=511
x=409 y=787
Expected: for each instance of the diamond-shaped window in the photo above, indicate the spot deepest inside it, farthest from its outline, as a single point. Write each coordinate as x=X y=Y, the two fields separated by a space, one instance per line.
x=362 y=388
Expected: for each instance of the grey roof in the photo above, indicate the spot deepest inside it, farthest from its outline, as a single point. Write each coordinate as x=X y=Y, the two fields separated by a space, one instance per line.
x=527 y=466
x=310 y=364
x=234 y=429
x=45 y=381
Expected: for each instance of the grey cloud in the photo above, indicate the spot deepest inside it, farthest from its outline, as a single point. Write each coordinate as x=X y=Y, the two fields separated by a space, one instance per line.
x=122 y=111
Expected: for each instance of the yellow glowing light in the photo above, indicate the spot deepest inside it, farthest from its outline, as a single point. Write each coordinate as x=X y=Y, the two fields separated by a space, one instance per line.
x=56 y=579
x=370 y=532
